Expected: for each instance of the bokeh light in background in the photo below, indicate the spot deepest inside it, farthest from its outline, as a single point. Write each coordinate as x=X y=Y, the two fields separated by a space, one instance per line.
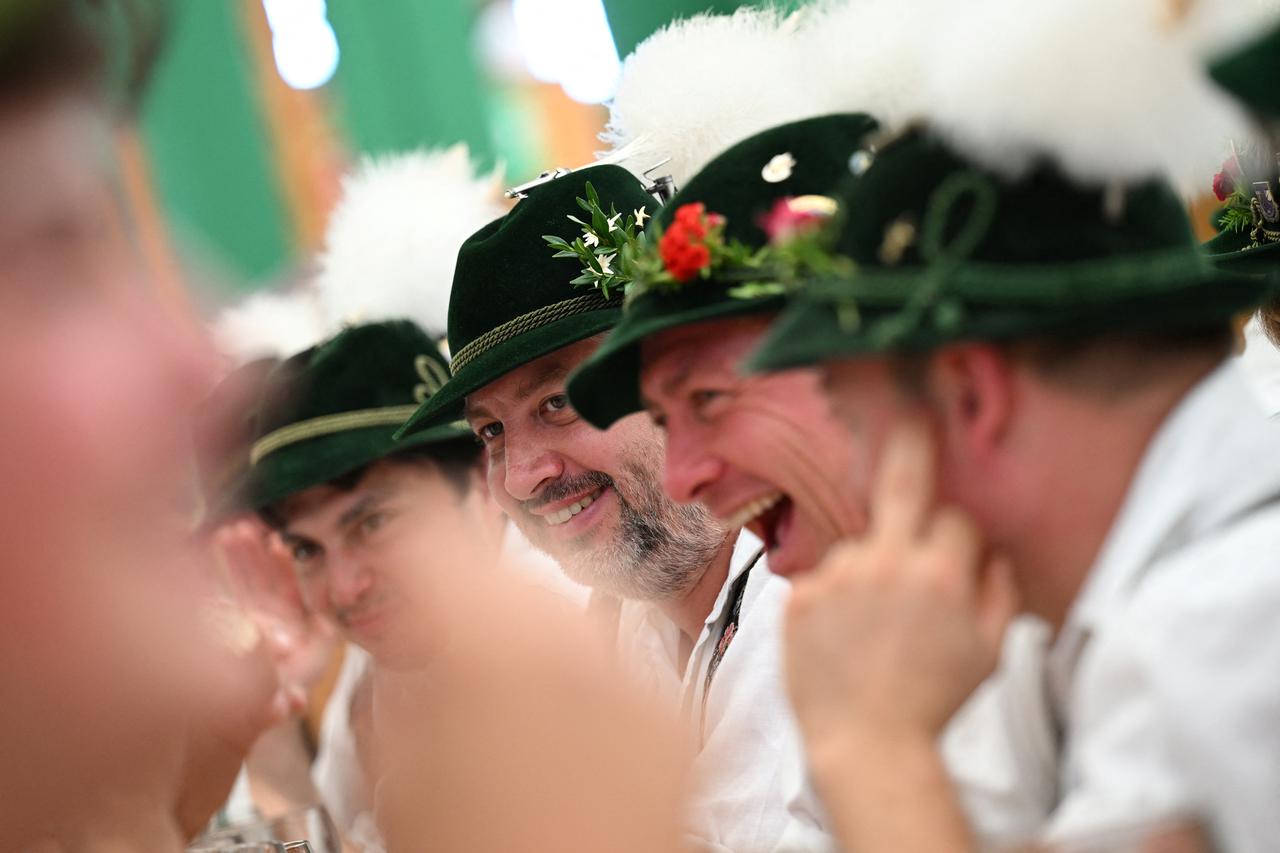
x=569 y=42
x=260 y=106
x=303 y=41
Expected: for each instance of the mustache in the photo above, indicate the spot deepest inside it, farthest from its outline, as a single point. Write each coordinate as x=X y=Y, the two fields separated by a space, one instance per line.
x=568 y=486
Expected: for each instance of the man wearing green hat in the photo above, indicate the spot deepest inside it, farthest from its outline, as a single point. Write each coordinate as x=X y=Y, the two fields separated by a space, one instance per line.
x=1030 y=351
x=364 y=516
x=673 y=352
x=700 y=613
x=765 y=450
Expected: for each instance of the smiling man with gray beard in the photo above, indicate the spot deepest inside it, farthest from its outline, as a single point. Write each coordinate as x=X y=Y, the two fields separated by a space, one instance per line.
x=699 y=616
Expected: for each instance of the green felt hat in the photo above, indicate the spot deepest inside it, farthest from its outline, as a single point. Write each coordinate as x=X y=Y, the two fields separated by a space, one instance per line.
x=1251 y=73
x=335 y=408
x=512 y=301
x=946 y=251
x=800 y=162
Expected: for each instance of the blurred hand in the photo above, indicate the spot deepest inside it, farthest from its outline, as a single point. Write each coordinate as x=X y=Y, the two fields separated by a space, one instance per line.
x=522 y=735
x=893 y=631
x=246 y=699
x=259 y=573
x=263 y=657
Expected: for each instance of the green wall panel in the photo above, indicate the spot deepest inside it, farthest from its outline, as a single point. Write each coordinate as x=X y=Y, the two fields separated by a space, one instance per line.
x=407 y=76
x=210 y=158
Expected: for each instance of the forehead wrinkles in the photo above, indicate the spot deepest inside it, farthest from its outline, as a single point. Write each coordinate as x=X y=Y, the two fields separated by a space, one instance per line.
x=515 y=388
x=716 y=349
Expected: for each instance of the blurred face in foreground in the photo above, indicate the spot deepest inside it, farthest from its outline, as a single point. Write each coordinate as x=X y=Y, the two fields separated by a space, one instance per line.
x=591 y=499
x=763 y=451
x=97 y=378
x=365 y=556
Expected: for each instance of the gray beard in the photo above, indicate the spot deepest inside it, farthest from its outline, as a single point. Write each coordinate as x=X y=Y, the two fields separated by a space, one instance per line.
x=660 y=550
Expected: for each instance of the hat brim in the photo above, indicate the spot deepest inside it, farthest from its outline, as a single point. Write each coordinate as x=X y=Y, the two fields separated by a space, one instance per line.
x=446 y=405
x=809 y=331
x=1231 y=252
x=606 y=387
x=317 y=461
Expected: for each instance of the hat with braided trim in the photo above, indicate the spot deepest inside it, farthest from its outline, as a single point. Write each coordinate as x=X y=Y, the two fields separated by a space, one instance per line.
x=513 y=301
x=334 y=408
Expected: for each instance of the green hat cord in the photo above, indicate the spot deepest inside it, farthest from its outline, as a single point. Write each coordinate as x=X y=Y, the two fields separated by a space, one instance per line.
x=945 y=251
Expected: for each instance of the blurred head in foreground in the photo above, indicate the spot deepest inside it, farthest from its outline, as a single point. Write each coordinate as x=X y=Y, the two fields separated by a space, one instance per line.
x=98 y=376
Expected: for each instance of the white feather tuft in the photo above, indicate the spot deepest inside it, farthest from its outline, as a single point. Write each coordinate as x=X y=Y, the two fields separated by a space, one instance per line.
x=1110 y=91
x=870 y=55
x=269 y=324
x=393 y=238
x=699 y=85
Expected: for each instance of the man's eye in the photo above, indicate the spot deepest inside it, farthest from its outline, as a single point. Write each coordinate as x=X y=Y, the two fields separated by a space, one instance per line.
x=373 y=522
x=556 y=408
x=704 y=396
x=489 y=432
x=304 y=552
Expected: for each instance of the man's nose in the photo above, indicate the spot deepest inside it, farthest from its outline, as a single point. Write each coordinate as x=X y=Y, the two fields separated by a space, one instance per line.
x=350 y=579
x=689 y=467
x=528 y=466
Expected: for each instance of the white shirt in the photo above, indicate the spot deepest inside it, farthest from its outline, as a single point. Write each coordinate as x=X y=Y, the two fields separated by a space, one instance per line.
x=749 y=771
x=754 y=791
x=1165 y=679
x=1000 y=748
x=337 y=774
x=1261 y=363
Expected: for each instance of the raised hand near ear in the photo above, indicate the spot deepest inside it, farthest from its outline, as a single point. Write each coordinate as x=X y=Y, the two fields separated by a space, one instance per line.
x=885 y=640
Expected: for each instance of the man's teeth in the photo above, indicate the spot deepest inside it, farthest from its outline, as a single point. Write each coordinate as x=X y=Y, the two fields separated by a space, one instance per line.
x=756 y=508
x=572 y=509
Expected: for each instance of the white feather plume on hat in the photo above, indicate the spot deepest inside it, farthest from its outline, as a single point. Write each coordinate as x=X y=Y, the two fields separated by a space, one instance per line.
x=870 y=55
x=269 y=324
x=699 y=85
x=393 y=238
x=1109 y=91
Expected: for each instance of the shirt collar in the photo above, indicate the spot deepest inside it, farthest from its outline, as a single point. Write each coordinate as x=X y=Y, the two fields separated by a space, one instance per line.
x=746 y=550
x=1202 y=467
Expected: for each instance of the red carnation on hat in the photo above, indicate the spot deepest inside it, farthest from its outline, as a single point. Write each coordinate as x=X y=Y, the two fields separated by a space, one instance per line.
x=692 y=218
x=1224 y=183
x=683 y=251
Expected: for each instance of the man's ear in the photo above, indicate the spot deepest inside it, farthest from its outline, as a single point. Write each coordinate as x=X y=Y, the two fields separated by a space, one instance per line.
x=972 y=388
